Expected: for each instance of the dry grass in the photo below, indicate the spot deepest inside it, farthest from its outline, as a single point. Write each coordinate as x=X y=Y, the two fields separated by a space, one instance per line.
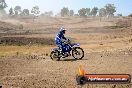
x=8 y=50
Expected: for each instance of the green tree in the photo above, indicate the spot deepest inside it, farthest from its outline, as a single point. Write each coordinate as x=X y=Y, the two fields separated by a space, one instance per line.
x=35 y=11
x=87 y=11
x=71 y=13
x=3 y=5
x=110 y=9
x=64 y=12
x=25 y=12
x=11 y=11
x=119 y=14
x=130 y=15
x=17 y=10
x=82 y=12
x=102 y=12
x=94 y=11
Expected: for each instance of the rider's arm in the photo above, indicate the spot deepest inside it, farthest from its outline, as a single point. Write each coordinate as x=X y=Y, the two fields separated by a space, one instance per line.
x=63 y=37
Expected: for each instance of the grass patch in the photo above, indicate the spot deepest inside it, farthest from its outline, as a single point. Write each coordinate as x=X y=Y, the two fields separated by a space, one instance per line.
x=25 y=41
x=9 y=50
x=116 y=27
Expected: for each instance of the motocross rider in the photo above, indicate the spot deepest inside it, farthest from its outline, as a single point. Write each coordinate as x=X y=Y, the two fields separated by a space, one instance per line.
x=59 y=37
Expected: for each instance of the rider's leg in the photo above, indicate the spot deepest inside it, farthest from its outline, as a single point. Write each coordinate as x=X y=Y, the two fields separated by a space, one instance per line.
x=59 y=44
x=61 y=48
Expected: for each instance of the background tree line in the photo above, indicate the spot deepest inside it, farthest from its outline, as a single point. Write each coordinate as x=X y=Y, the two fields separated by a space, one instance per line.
x=107 y=10
x=18 y=11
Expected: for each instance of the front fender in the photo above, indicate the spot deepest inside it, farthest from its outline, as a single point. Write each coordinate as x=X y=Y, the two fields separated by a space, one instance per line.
x=74 y=45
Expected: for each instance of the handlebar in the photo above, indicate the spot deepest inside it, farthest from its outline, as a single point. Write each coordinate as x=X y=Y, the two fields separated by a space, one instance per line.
x=67 y=41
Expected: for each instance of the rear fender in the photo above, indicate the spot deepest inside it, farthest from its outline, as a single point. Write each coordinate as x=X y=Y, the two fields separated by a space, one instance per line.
x=55 y=49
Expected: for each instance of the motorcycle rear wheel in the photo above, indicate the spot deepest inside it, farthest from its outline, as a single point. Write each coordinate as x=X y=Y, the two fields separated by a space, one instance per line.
x=55 y=56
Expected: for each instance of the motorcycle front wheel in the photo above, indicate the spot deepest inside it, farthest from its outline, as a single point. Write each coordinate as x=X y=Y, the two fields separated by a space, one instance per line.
x=77 y=53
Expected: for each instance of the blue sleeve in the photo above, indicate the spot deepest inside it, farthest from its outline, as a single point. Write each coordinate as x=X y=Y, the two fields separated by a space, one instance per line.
x=63 y=37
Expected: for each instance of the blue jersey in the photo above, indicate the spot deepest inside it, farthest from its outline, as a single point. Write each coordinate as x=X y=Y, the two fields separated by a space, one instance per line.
x=58 y=37
x=58 y=40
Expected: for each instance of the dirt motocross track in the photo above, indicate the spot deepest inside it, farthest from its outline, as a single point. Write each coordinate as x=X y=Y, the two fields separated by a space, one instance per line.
x=107 y=47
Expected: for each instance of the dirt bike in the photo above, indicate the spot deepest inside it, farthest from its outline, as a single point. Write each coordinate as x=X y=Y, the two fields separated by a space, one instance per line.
x=72 y=49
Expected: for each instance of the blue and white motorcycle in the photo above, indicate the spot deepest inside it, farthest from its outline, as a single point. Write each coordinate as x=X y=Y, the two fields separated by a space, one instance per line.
x=71 y=50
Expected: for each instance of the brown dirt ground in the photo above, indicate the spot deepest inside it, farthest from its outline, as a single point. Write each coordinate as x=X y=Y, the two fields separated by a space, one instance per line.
x=107 y=51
